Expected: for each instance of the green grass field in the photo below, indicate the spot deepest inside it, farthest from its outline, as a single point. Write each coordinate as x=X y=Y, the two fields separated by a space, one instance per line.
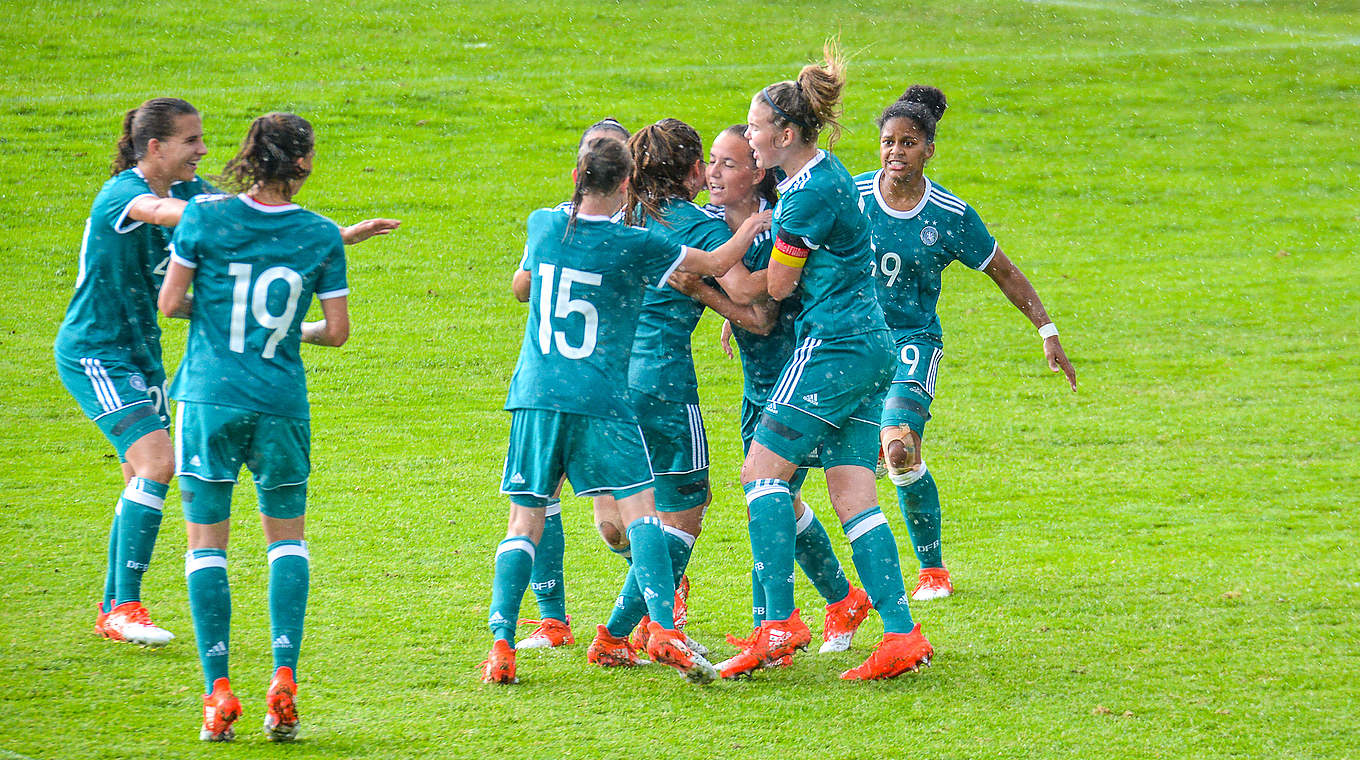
x=1161 y=565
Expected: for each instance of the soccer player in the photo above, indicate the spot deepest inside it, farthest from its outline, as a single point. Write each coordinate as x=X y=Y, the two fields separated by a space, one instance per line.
x=830 y=394
x=917 y=229
x=738 y=188
x=108 y=350
x=255 y=260
x=548 y=580
x=569 y=411
x=668 y=173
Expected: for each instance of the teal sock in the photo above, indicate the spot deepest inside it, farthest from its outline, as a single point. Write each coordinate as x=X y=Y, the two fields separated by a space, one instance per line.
x=652 y=569
x=205 y=570
x=630 y=605
x=757 y=599
x=138 y=525
x=920 y=502
x=769 y=507
x=514 y=565
x=548 y=580
x=289 y=578
x=812 y=549
x=111 y=575
x=875 y=556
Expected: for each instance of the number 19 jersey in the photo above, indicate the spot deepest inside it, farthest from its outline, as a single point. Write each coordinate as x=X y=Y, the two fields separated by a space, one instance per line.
x=256 y=268
x=585 y=296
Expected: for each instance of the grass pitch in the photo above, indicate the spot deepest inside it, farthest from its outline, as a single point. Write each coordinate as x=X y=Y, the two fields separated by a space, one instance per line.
x=1158 y=566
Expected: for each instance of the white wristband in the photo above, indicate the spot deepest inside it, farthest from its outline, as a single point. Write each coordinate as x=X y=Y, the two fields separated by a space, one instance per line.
x=1049 y=330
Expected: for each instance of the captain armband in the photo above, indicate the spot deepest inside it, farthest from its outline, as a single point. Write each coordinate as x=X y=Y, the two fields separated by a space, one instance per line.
x=790 y=250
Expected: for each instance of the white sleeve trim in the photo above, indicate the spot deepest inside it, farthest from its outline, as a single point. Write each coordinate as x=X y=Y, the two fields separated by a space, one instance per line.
x=332 y=294
x=985 y=262
x=178 y=259
x=665 y=278
x=122 y=229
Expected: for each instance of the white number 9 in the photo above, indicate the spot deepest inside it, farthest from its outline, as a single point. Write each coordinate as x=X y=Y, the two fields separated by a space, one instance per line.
x=891 y=267
x=911 y=356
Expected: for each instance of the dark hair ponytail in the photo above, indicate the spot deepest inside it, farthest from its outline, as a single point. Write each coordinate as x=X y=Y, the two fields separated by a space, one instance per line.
x=152 y=120
x=813 y=102
x=270 y=153
x=608 y=125
x=602 y=164
x=663 y=155
x=768 y=186
x=923 y=104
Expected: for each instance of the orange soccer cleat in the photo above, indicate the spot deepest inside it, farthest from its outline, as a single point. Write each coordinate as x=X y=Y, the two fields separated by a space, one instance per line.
x=682 y=603
x=499 y=665
x=773 y=643
x=100 y=620
x=221 y=708
x=131 y=622
x=934 y=583
x=550 y=633
x=843 y=618
x=609 y=651
x=281 y=718
x=668 y=647
x=639 y=638
x=896 y=654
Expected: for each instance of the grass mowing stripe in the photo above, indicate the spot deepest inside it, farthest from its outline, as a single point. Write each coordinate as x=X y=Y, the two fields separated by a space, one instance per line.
x=1132 y=10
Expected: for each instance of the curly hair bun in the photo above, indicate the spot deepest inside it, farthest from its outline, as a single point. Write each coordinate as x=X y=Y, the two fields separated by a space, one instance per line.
x=930 y=97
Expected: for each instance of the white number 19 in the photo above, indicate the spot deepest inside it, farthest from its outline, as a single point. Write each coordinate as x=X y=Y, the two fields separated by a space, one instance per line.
x=259 y=305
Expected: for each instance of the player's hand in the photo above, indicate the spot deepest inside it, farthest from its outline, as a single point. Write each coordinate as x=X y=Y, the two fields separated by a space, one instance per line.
x=685 y=282
x=759 y=222
x=1057 y=360
x=358 y=233
x=725 y=337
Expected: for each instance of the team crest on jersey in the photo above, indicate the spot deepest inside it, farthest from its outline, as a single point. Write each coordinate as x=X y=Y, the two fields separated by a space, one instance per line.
x=929 y=235
x=137 y=382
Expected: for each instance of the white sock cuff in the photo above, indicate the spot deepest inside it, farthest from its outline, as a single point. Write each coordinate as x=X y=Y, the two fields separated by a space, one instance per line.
x=289 y=550
x=864 y=526
x=518 y=543
x=193 y=564
x=804 y=521
x=553 y=509
x=680 y=534
x=905 y=479
x=765 y=487
x=134 y=493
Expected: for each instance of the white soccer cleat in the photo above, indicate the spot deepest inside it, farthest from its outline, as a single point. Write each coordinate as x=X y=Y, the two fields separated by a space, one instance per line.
x=934 y=583
x=131 y=622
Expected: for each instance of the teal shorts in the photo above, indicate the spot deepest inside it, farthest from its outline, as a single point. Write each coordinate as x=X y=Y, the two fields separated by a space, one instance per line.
x=126 y=401
x=595 y=454
x=913 y=385
x=212 y=442
x=830 y=395
x=677 y=446
x=750 y=417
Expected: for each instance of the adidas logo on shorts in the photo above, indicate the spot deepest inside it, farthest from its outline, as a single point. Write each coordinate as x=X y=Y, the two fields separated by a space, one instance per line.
x=811 y=398
x=517 y=479
x=196 y=462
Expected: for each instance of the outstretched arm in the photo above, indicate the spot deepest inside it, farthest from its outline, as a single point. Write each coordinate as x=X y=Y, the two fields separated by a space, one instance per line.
x=1018 y=289
x=358 y=233
x=174 y=300
x=152 y=210
x=744 y=286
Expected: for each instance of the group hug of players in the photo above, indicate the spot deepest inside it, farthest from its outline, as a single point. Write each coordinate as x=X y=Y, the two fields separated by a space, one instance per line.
x=829 y=283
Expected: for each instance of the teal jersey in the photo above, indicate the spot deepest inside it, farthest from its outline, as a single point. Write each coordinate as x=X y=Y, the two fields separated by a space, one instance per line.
x=911 y=250
x=122 y=266
x=256 y=268
x=585 y=296
x=662 y=364
x=820 y=211
x=567 y=207
x=763 y=356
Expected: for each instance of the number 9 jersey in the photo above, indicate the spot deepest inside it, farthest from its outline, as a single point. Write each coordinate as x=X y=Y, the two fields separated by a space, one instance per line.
x=585 y=298
x=256 y=269
x=911 y=249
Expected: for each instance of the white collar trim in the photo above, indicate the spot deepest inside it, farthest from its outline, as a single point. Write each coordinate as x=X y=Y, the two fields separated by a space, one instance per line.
x=251 y=202
x=782 y=186
x=889 y=210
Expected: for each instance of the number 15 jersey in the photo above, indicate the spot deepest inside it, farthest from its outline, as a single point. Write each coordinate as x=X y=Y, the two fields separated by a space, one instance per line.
x=256 y=268
x=585 y=297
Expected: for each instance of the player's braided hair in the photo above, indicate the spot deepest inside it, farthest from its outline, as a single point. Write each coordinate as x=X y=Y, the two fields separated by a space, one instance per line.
x=767 y=187
x=813 y=102
x=921 y=103
x=664 y=153
x=270 y=153
x=601 y=166
x=152 y=120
